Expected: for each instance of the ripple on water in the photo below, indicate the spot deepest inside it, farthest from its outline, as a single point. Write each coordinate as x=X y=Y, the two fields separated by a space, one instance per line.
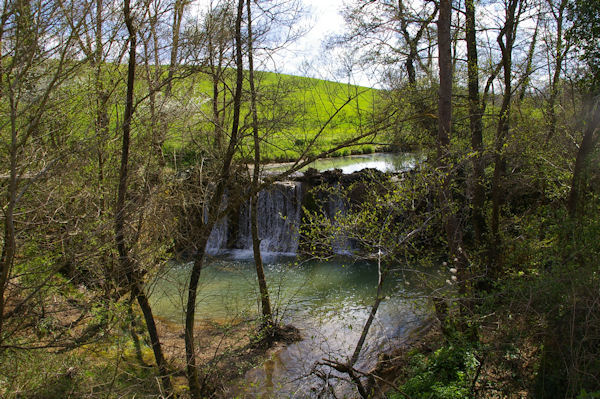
x=328 y=301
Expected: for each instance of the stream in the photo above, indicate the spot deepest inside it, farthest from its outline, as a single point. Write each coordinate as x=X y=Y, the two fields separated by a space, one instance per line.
x=385 y=162
x=328 y=302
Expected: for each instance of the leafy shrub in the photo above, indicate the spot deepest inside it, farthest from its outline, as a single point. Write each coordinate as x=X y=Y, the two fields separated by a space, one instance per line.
x=367 y=149
x=445 y=374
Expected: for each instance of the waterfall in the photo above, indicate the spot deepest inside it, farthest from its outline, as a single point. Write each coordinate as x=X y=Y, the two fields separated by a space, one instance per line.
x=279 y=210
x=279 y=213
x=336 y=206
x=280 y=216
x=217 y=240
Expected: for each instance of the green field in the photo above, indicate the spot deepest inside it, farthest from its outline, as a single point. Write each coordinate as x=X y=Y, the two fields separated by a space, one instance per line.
x=297 y=116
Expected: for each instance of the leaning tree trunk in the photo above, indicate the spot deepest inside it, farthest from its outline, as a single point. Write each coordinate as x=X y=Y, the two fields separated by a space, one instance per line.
x=213 y=209
x=126 y=263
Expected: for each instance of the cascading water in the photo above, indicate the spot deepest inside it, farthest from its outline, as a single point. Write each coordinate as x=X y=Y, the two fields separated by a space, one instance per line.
x=336 y=207
x=217 y=240
x=279 y=207
x=279 y=211
x=326 y=301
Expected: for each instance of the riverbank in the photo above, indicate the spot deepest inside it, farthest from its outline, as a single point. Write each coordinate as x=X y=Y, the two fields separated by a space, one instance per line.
x=226 y=349
x=218 y=345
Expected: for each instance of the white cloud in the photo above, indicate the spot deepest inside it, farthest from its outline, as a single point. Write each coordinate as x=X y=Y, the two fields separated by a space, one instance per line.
x=306 y=56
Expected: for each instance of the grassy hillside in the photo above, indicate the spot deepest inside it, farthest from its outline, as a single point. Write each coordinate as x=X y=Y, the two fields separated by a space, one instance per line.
x=297 y=115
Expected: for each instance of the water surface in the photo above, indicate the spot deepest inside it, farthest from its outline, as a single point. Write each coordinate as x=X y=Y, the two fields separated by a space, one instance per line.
x=385 y=162
x=328 y=301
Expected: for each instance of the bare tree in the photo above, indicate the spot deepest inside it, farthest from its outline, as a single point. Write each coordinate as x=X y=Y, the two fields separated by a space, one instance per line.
x=475 y=120
x=561 y=47
x=506 y=41
x=262 y=282
x=213 y=208
x=591 y=136
x=398 y=37
x=35 y=63
x=178 y=13
x=127 y=264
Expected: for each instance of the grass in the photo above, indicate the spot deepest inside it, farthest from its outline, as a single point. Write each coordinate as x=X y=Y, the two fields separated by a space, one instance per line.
x=297 y=116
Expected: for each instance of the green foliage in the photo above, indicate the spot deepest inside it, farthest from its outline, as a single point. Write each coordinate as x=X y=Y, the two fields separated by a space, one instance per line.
x=107 y=367
x=297 y=114
x=585 y=32
x=446 y=373
x=549 y=298
x=588 y=395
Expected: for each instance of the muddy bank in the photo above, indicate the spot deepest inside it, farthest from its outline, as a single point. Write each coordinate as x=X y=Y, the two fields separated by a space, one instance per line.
x=226 y=349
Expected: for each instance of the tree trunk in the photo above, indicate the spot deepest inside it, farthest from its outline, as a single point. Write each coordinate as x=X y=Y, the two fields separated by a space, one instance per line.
x=475 y=119
x=9 y=240
x=555 y=83
x=102 y=119
x=446 y=199
x=589 y=141
x=134 y=335
x=505 y=41
x=445 y=70
x=190 y=314
x=177 y=16
x=529 y=65
x=262 y=282
x=418 y=102
x=161 y=363
x=213 y=209
x=126 y=263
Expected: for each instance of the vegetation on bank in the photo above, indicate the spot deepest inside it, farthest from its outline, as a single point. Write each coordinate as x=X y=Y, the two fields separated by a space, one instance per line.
x=301 y=116
x=94 y=200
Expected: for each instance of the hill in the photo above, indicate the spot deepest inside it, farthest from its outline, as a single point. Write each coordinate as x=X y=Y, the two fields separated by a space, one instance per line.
x=298 y=115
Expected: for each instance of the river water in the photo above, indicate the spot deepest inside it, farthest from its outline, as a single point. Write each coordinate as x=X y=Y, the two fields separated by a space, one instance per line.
x=327 y=301
x=385 y=162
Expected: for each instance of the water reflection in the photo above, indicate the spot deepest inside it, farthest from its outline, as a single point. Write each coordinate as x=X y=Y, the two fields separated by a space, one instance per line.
x=385 y=162
x=328 y=301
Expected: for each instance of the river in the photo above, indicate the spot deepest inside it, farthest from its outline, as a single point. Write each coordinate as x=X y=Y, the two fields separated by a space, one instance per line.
x=385 y=162
x=327 y=301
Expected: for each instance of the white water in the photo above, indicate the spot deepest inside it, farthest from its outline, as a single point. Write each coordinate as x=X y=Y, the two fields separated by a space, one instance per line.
x=384 y=162
x=280 y=210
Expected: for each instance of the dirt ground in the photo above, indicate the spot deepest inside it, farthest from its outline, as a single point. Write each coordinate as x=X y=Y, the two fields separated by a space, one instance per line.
x=226 y=349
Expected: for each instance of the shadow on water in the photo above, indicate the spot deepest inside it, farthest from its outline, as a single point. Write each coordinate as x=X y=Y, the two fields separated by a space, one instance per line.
x=327 y=301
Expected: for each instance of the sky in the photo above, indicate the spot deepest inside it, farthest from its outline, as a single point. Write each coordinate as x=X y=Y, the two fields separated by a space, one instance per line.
x=325 y=20
x=306 y=56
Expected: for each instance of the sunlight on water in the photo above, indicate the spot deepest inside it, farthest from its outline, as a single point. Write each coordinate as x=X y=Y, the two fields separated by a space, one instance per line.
x=327 y=301
x=385 y=162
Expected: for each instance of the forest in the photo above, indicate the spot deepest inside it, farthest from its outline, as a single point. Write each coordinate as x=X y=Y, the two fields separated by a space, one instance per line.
x=143 y=141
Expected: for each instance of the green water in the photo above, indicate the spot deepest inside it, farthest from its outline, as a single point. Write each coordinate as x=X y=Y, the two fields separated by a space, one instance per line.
x=228 y=288
x=328 y=301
